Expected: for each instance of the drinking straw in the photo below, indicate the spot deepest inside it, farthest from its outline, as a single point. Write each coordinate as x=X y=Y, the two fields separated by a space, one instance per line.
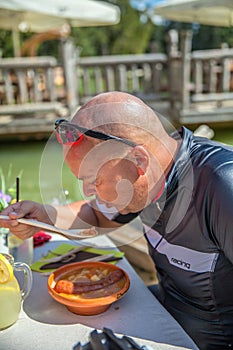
x=17 y=189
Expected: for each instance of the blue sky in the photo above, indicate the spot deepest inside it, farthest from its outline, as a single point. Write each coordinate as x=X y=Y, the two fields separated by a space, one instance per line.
x=142 y=5
x=147 y=6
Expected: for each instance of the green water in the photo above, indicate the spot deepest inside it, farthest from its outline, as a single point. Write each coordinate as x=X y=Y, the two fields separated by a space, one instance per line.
x=44 y=175
x=225 y=136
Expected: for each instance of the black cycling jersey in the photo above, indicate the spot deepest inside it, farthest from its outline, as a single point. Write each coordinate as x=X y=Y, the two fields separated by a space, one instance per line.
x=189 y=230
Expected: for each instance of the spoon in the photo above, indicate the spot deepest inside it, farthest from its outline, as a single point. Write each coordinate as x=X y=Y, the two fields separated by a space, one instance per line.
x=71 y=234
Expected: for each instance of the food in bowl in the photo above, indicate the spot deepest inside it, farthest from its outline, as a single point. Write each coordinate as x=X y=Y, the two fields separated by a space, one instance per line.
x=88 y=288
x=91 y=282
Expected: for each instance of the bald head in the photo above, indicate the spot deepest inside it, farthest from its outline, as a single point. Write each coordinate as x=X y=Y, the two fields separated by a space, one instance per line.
x=114 y=96
x=121 y=114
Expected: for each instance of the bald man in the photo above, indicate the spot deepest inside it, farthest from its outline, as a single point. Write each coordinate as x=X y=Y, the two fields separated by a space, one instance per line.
x=181 y=187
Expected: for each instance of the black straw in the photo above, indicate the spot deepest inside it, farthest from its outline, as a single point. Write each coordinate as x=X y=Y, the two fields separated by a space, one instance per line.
x=17 y=189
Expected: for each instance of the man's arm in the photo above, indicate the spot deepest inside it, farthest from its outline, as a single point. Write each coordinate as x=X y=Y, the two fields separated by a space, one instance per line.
x=79 y=214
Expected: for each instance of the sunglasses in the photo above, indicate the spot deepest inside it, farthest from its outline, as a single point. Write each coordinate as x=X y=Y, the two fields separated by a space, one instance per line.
x=69 y=134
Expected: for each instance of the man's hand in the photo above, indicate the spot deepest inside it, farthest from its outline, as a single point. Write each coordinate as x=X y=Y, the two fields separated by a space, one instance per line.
x=29 y=210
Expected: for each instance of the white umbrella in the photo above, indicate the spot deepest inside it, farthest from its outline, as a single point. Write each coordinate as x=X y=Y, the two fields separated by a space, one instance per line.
x=43 y=15
x=208 y=12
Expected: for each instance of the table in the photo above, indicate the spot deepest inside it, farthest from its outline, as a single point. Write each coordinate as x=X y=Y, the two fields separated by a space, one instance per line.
x=45 y=324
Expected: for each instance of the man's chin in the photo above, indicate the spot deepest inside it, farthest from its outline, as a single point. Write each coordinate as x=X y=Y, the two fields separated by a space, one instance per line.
x=125 y=211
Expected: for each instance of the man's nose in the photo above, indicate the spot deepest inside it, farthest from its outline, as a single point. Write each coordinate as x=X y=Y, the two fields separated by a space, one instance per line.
x=88 y=189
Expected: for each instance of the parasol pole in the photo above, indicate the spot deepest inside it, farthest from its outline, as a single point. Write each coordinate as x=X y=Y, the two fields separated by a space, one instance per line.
x=16 y=41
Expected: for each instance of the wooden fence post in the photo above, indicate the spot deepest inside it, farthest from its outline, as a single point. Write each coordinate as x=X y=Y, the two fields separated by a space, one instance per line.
x=69 y=64
x=174 y=66
x=186 y=46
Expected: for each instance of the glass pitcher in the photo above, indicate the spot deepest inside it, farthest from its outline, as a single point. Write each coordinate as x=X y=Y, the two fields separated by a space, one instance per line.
x=19 y=249
x=11 y=295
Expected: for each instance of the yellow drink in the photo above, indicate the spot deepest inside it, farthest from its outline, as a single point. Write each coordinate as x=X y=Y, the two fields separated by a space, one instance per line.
x=10 y=303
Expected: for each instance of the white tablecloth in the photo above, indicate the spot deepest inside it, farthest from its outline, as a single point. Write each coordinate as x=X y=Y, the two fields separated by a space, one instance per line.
x=44 y=324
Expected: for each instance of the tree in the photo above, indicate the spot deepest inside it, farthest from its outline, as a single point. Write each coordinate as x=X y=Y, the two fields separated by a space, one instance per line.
x=6 y=43
x=204 y=37
x=130 y=36
x=207 y=37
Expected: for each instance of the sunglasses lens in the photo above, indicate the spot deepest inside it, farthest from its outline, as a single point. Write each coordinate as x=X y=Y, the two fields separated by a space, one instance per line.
x=67 y=135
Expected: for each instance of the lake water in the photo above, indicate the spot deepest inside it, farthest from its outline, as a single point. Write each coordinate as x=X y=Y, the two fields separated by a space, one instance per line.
x=45 y=176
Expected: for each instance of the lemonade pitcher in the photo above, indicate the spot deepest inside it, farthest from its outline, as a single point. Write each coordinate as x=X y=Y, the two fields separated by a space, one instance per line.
x=11 y=296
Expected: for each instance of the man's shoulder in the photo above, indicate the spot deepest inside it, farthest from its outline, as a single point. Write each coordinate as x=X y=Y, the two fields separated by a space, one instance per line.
x=212 y=154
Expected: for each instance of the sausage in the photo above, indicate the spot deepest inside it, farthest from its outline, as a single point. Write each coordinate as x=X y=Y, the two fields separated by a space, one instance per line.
x=68 y=287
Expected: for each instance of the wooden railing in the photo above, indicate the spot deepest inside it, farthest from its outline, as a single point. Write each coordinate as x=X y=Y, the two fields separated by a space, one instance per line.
x=202 y=84
x=145 y=75
x=197 y=86
x=212 y=74
x=142 y=75
x=27 y=85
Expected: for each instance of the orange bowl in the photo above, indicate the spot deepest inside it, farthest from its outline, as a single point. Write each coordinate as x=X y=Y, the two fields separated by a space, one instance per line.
x=91 y=302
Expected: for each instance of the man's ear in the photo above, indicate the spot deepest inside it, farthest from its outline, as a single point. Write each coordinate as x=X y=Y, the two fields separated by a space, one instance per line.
x=140 y=157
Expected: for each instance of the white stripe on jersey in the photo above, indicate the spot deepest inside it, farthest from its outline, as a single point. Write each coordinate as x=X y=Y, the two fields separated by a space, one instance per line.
x=181 y=257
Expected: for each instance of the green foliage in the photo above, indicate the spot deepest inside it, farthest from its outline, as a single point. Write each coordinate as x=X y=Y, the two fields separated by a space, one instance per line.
x=7 y=188
x=212 y=37
x=205 y=37
x=6 y=43
x=130 y=36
